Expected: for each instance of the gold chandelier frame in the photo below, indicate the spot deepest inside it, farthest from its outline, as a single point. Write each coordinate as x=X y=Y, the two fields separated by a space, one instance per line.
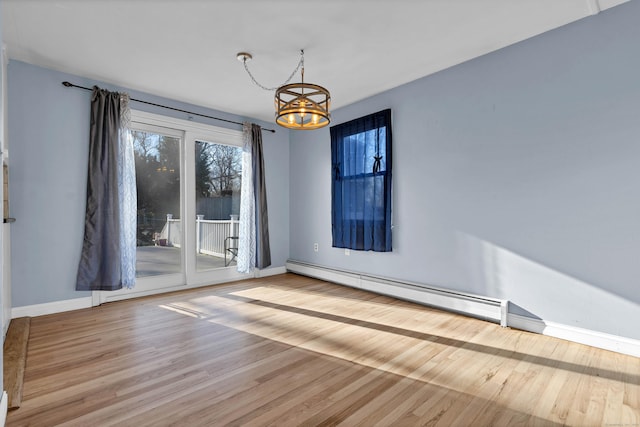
x=302 y=106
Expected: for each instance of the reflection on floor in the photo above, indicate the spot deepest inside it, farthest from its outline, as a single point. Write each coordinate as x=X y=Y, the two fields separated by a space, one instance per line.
x=156 y=260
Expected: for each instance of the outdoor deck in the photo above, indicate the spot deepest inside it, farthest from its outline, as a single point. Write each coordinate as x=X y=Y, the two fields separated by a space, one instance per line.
x=156 y=260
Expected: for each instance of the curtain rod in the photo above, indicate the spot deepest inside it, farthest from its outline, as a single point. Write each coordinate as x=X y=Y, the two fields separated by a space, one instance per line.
x=67 y=84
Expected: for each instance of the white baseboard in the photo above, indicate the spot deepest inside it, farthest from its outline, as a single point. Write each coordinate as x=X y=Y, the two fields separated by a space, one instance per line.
x=270 y=271
x=491 y=309
x=472 y=305
x=4 y=404
x=50 y=307
x=579 y=335
x=226 y=276
x=87 y=302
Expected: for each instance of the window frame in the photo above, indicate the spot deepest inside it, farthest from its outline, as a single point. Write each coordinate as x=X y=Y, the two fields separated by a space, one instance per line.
x=355 y=228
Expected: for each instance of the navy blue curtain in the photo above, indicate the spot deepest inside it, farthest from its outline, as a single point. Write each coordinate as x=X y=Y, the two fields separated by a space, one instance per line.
x=361 y=183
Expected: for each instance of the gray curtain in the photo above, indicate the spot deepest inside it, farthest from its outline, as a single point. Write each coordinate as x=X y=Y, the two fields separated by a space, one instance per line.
x=263 y=251
x=100 y=267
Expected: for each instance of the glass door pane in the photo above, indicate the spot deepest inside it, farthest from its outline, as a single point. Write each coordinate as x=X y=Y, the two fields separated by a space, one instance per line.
x=159 y=237
x=218 y=170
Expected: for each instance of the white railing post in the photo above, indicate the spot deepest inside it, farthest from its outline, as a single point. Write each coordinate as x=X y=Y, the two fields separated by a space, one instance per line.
x=233 y=230
x=169 y=218
x=199 y=219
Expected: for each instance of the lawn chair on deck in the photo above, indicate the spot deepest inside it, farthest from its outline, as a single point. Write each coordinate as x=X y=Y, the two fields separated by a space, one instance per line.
x=230 y=249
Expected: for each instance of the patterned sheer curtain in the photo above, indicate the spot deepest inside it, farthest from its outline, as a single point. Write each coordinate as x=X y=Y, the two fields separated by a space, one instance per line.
x=253 y=237
x=108 y=257
x=127 y=195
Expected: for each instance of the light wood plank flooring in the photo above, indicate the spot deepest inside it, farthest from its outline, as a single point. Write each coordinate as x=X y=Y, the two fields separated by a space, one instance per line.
x=289 y=350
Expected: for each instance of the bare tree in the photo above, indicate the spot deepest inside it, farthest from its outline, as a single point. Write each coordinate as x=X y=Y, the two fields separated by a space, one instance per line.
x=226 y=169
x=144 y=144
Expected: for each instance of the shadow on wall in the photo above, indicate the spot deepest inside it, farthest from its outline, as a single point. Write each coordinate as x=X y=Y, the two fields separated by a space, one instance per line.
x=537 y=291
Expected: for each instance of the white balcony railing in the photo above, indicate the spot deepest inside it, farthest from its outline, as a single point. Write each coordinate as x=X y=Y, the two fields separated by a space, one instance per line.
x=210 y=234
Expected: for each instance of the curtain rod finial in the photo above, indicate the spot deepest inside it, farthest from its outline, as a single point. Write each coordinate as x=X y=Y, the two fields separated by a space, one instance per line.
x=67 y=84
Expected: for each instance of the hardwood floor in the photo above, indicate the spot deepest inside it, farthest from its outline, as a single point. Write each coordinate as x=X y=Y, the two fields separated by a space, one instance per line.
x=290 y=350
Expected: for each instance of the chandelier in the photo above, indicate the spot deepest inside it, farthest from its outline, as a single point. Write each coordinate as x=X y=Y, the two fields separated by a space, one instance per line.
x=303 y=106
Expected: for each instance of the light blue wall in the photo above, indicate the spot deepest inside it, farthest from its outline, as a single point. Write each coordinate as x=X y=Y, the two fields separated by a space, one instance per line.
x=516 y=175
x=48 y=129
x=2 y=236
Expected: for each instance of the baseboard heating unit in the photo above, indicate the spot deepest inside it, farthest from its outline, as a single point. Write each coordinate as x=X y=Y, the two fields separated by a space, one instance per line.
x=492 y=309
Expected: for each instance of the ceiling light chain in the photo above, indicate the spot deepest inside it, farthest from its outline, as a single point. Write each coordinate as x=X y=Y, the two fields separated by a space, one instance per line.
x=302 y=106
x=245 y=57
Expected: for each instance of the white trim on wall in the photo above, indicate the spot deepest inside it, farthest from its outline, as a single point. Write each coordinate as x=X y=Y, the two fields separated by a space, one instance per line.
x=471 y=305
x=226 y=276
x=51 y=307
x=588 y=337
x=100 y=297
x=482 y=307
x=272 y=271
x=578 y=335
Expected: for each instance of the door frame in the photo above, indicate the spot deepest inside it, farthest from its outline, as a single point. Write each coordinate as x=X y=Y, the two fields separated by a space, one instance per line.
x=189 y=277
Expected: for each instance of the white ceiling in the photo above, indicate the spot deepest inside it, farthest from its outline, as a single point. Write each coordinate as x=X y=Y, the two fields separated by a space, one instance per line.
x=186 y=50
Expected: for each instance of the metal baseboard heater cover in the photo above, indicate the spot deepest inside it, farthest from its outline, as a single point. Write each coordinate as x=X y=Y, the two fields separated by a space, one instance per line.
x=491 y=309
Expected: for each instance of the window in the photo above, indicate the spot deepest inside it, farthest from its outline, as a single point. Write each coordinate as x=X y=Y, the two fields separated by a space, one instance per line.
x=361 y=183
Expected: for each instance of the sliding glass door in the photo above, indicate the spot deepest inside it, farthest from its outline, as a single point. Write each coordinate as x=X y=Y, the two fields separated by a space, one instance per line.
x=159 y=231
x=218 y=173
x=188 y=187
